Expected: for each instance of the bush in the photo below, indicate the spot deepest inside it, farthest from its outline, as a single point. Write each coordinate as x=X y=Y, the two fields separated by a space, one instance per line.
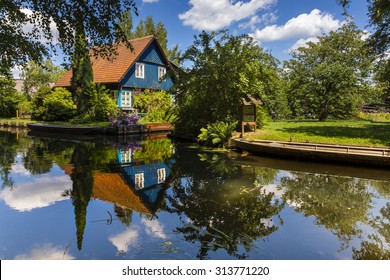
x=58 y=106
x=102 y=106
x=157 y=105
x=38 y=111
x=217 y=134
x=262 y=117
x=25 y=107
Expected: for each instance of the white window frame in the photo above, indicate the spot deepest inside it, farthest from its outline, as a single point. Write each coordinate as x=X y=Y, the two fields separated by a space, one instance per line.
x=139 y=180
x=126 y=99
x=161 y=175
x=140 y=70
x=126 y=156
x=162 y=71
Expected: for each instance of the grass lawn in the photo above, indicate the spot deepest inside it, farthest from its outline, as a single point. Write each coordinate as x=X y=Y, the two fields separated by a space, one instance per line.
x=351 y=132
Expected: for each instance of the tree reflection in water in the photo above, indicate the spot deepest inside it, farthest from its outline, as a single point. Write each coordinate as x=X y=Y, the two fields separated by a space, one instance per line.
x=219 y=212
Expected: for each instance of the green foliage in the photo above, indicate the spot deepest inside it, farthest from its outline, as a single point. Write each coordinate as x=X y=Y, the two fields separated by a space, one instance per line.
x=330 y=79
x=375 y=117
x=224 y=68
x=25 y=107
x=82 y=75
x=159 y=150
x=149 y=27
x=157 y=105
x=58 y=106
x=101 y=105
x=217 y=134
x=262 y=117
x=36 y=75
x=38 y=111
x=9 y=97
x=97 y=18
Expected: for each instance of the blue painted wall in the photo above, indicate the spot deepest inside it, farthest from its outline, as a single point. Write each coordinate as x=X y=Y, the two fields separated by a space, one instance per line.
x=152 y=59
x=150 y=173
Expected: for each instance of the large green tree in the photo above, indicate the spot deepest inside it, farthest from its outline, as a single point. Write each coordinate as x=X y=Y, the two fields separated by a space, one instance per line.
x=224 y=68
x=36 y=75
x=9 y=97
x=149 y=27
x=26 y=29
x=330 y=78
x=379 y=19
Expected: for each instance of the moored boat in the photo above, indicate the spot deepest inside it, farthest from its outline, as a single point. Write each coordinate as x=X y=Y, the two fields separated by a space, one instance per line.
x=372 y=156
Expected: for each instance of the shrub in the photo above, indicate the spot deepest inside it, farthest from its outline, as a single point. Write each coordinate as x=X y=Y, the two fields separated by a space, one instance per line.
x=217 y=134
x=25 y=107
x=157 y=105
x=262 y=117
x=58 y=106
x=38 y=111
x=102 y=106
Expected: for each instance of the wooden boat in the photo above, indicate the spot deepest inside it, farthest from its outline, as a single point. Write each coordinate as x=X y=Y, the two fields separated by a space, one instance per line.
x=317 y=152
x=52 y=128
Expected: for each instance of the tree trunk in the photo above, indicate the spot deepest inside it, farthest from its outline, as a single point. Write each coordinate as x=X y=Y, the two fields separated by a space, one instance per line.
x=323 y=115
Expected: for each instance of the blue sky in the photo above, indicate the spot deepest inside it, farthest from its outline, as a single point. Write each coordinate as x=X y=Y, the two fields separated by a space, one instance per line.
x=278 y=25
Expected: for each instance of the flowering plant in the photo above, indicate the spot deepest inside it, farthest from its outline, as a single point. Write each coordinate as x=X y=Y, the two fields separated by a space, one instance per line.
x=124 y=119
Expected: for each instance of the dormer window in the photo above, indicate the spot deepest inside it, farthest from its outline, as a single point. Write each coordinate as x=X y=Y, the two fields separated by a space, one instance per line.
x=162 y=71
x=140 y=70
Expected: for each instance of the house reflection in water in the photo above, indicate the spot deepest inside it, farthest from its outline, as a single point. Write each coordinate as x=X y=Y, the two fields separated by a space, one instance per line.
x=147 y=181
x=134 y=184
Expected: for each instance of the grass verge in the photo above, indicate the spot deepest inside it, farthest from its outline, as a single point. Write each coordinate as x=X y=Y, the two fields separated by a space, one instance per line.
x=350 y=132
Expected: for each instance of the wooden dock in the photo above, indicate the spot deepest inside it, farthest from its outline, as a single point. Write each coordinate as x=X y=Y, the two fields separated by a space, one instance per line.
x=318 y=152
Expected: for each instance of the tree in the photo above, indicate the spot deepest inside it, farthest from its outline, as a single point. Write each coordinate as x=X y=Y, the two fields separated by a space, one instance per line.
x=98 y=18
x=9 y=97
x=379 y=14
x=224 y=68
x=146 y=28
x=329 y=78
x=218 y=209
x=82 y=74
x=36 y=75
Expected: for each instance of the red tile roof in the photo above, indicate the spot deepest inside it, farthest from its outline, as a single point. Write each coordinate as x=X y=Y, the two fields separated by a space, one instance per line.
x=112 y=71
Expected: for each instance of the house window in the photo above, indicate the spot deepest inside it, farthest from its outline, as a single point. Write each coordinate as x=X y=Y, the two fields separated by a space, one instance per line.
x=140 y=70
x=161 y=175
x=162 y=71
x=126 y=98
x=139 y=181
x=126 y=156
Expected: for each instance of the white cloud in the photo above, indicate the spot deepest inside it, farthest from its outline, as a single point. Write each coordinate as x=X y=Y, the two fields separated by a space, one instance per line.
x=154 y=228
x=302 y=27
x=266 y=19
x=150 y=1
x=302 y=43
x=213 y=15
x=53 y=29
x=46 y=252
x=38 y=193
x=123 y=240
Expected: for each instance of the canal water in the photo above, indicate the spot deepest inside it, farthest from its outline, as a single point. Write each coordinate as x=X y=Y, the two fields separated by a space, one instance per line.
x=156 y=199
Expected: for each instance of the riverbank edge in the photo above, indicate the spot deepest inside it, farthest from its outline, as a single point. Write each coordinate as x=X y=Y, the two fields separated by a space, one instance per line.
x=80 y=129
